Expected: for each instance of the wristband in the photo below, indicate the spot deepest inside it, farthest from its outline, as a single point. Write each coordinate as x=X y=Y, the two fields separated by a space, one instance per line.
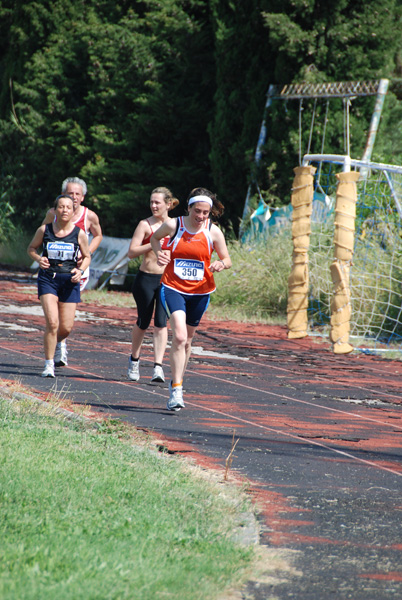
x=82 y=272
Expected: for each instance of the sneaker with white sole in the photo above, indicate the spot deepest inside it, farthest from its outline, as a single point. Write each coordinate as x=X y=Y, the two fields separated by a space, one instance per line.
x=60 y=355
x=175 y=401
x=133 y=372
x=158 y=375
x=48 y=371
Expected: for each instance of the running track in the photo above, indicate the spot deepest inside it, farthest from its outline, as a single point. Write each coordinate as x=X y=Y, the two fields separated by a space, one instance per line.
x=320 y=436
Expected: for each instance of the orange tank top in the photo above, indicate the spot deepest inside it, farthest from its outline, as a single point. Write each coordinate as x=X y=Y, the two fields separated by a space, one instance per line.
x=188 y=271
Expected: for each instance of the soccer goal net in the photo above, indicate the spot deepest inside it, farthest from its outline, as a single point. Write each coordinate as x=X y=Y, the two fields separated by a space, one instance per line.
x=354 y=252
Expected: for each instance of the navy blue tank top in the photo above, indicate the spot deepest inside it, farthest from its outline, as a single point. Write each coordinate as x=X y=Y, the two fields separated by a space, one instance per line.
x=62 y=252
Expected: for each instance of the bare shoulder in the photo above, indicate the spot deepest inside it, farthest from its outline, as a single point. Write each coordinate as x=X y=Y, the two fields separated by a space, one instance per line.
x=143 y=227
x=40 y=232
x=171 y=223
x=92 y=216
x=216 y=232
x=169 y=226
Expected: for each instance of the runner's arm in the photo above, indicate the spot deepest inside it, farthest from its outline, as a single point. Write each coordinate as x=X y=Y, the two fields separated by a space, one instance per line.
x=85 y=258
x=96 y=231
x=166 y=230
x=220 y=247
x=32 y=249
x=136 y=247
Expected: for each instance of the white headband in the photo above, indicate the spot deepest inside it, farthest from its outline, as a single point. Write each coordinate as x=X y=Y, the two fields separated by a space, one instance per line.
x=200 y=199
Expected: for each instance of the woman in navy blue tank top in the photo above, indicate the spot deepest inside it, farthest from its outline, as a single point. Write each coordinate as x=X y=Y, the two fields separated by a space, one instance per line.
x=59 y=276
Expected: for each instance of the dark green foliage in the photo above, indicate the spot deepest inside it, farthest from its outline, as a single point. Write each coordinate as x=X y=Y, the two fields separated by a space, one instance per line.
x=119 y=96
x=317 y=42
x=135 y=94
x=292 y=41
x=244 y=70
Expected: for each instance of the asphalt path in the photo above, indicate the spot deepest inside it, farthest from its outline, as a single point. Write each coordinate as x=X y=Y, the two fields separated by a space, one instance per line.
x=318 y=436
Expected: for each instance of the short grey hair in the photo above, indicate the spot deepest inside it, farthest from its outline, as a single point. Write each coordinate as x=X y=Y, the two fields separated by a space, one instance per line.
x=77 y=180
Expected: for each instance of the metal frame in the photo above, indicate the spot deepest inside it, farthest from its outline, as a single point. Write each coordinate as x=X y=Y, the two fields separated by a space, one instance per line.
x=329 y=90
x=364 y=167
x=336 y=89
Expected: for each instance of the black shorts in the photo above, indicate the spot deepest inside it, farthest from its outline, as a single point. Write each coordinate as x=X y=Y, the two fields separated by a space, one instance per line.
x=58 y=284
x=145 y=290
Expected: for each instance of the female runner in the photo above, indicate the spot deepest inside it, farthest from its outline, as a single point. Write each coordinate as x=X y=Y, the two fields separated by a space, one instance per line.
x=188 y=278
x=59 y=276
x=146 y=286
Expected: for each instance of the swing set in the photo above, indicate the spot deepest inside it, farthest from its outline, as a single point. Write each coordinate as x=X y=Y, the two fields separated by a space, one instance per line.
x=347 y=91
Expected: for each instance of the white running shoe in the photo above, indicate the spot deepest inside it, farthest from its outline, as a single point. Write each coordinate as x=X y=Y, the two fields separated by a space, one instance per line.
x=158 y=375
x=48 y=371
x=175 y=401
x=60 y=355
x=133 y=372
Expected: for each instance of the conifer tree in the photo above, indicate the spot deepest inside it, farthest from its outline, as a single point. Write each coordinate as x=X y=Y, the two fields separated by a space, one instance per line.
x=119 y=93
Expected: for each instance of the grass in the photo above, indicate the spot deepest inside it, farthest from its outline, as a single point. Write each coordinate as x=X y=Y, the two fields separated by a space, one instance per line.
x=85 y=513
x=108 y=298
x=255 y=288
x=14 y=250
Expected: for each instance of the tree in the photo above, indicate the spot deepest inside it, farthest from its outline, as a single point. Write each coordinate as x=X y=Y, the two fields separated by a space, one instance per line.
x=117 y=93
x=244 y=69
x=291 y=41
x=315 y=41
x=133 y=94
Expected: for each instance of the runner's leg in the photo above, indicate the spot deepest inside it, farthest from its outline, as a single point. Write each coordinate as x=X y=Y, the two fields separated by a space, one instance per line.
x=137 y=337
x=190 y=336
x=66 y=319
x=50 y=306
x=178 y=348
x=160 y=341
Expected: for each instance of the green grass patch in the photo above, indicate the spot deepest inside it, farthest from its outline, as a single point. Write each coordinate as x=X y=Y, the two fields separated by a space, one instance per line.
x=13 y=251
x=86 y=514
x=108 y=298
x=255 y=289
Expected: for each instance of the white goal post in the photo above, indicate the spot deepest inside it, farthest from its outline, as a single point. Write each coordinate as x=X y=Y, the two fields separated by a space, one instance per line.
x=352 y=265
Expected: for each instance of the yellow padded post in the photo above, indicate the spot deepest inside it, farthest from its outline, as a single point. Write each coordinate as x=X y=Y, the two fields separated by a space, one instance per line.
x=297 y=324
x=304 y=210
x=345 y=214
x=301 y=227
x=302 y=203
x=298 y=275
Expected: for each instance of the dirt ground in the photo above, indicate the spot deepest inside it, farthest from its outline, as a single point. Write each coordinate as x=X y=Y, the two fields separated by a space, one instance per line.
x=318 y=436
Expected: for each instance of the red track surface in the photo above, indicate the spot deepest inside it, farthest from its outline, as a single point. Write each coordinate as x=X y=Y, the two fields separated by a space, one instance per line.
x=320 y=435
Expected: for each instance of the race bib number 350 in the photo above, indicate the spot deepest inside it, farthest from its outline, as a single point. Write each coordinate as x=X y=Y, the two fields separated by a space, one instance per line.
x=191 y=270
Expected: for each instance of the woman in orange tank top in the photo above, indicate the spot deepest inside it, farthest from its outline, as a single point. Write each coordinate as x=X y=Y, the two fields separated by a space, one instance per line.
x=188 y=279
